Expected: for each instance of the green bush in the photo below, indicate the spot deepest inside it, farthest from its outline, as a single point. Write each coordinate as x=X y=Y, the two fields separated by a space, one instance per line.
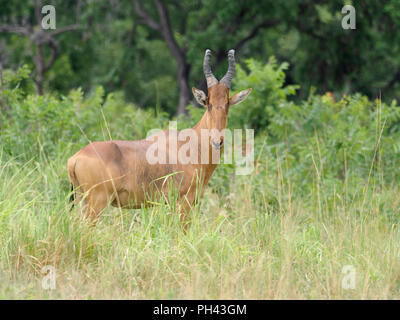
x=33 y=125
x=318 y=140
x=323 y=195
x=268 y=94
x=352 y=137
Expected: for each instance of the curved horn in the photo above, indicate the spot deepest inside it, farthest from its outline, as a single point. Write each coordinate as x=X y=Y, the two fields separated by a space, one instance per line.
x=227 y=79
x=211 y=79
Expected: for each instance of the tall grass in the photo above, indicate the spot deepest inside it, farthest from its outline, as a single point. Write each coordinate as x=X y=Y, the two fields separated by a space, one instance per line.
x=323 y=198
x=263 y=239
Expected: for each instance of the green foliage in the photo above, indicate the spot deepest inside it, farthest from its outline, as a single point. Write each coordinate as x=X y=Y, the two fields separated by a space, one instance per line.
x=323 y=194
x=269 y=92
x=345 y=140
x=116 y=50
x=324 y=190
x=33 y=125
x=350 y=138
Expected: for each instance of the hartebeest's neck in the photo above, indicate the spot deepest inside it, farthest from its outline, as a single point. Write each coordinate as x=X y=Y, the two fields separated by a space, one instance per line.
x=202 y=124
x=209 y=167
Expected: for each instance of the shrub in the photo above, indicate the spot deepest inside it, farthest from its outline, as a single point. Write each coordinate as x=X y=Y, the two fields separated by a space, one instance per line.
x=33 y=125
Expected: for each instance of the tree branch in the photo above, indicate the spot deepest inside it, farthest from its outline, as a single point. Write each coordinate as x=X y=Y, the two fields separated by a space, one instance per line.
x=41 y=37
x=24 y=31
x=309 y=31
x=147 y=19
x=167 y=31
x=303 y=8
x=254 y=32
x=164 y=27
x=71 y=27
x=54 y=53
x=38 y=8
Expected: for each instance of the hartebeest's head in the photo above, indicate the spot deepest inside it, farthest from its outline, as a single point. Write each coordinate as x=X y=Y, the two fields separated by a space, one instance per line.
x=218 y=102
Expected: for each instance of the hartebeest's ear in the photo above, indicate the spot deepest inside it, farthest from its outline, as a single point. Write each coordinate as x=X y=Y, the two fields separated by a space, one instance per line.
x=239 y=97
x=200 y=96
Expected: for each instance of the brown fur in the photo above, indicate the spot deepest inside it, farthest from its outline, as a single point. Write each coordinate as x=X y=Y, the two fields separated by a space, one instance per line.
x=117 y=172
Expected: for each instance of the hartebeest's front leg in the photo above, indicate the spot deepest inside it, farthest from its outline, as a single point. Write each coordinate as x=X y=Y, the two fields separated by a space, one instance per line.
x=186 y=203
x=185 y=206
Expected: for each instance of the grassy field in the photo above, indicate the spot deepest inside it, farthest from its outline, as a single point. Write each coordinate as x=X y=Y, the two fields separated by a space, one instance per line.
x=253 y=237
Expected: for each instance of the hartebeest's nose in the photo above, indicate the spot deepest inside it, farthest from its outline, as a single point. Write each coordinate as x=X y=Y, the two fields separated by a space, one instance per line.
x=217 y=145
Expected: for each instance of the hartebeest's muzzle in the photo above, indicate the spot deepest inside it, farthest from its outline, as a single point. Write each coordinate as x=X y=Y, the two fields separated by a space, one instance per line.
x=217 y=145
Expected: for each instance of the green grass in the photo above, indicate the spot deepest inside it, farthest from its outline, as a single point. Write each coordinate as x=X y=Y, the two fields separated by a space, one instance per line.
x=261 y=236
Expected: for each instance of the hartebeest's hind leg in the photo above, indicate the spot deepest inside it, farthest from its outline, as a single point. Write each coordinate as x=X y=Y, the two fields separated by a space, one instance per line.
x=78 y=196
x=79 y=201
x=97 y=200
x=90 y=205
x=90 y=202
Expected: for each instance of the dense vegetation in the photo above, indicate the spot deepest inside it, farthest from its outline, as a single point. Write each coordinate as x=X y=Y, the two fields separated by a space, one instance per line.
x=124 y=46
x=324 y=191
x=323 y=195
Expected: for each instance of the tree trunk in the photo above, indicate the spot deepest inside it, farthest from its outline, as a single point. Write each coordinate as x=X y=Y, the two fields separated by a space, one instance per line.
x=184 y=91
x=179 y=54
x=40 y=70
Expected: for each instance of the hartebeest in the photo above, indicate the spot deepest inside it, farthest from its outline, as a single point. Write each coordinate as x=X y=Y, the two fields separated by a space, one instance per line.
x=118 y=172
